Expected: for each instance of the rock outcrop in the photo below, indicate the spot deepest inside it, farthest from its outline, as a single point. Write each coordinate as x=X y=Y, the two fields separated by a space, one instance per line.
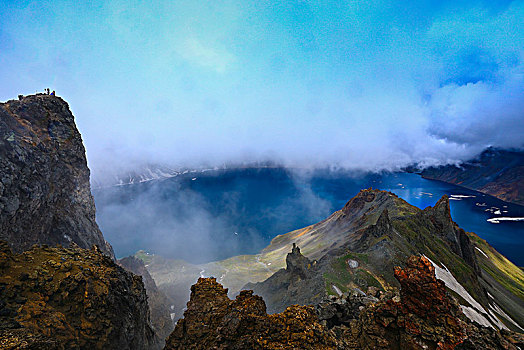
x=45 y=196
x=422 y=316
x=57 y=298
x=213 y=321
x=159 y=304
x=298 y=283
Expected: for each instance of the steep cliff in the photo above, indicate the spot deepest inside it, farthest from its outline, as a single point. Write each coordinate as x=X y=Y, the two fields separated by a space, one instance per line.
x=159 y=304
x=45 y=196
x=57 y=298
x=496 y=172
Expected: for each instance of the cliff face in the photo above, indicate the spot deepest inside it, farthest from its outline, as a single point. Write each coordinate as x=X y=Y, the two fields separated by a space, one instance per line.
x=57 y=298
x=159 y=304
x=499 y=173
x=45 y=196
x=423 y=316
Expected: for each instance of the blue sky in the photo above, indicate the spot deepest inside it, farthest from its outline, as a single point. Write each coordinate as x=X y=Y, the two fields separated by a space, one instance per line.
x=358 y=84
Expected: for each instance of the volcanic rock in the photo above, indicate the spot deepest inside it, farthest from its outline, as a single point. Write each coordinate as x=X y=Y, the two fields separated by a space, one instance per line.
x=58 y=298
x=45 y=196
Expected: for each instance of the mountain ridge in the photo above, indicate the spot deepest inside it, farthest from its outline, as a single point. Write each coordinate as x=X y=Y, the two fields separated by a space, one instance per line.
x=374 y=231
x=497 y=172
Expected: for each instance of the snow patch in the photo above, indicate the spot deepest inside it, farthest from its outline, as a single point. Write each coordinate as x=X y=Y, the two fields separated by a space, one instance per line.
x=501 y=312
x=473 y=315
x=480 y=250
x=339 y=292
x=449 y=280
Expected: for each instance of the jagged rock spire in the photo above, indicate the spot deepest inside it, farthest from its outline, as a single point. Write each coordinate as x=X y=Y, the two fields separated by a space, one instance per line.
x=298 y=264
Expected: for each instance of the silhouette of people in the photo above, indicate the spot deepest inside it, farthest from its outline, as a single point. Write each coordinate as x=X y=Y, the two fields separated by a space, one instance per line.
x=53 y=93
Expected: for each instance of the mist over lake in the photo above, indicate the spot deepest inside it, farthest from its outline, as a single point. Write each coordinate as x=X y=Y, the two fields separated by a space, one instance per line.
x=209 y=216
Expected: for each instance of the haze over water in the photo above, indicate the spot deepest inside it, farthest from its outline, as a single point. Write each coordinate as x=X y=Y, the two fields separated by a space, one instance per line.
x=214 y=215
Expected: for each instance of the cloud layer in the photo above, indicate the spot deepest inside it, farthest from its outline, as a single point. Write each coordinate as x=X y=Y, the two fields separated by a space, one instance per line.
x=354 y=84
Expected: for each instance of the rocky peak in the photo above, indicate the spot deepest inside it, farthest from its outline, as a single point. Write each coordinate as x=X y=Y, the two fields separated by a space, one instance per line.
x=45 y=195
x=440 y=217
x=441 y=209
x=358 y=202
x=297 y=264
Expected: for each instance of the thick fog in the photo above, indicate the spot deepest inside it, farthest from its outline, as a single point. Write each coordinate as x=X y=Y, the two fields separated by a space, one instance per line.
x=201 y=217
x=361 y=85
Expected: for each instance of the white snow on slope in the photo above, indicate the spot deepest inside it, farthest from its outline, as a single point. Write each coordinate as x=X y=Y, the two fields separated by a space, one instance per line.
x=480 y=250
x=476 y=312
x=339 y=292
x=473 y=315
x=501 y=312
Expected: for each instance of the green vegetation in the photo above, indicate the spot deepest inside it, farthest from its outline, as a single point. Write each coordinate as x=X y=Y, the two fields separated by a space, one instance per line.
x=498 y=267
x=144 y=256
x=342 y=276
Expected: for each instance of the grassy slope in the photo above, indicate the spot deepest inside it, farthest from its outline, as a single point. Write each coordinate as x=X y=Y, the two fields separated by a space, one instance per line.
x=502 y=279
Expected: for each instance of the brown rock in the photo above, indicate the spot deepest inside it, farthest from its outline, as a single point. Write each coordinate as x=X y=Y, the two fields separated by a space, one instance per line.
x=96 y=304
x=213 y=321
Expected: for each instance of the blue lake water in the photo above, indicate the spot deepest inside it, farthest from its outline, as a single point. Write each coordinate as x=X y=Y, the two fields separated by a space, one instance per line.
x=209 y=216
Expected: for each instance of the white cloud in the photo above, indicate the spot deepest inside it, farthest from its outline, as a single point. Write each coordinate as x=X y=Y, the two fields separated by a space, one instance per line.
x=214 y=57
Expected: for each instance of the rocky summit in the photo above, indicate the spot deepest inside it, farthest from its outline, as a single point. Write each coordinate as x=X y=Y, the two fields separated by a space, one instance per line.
x=58 y=298
x=423 y=316
x=45 y=195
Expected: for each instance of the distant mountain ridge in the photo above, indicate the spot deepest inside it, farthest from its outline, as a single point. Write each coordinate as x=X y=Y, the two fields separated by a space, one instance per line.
x=497 y=172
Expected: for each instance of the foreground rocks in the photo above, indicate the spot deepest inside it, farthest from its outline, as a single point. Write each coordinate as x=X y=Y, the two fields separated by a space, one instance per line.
x=45 y=196
x=213 y=321
x=422 y=316
x=56 y=298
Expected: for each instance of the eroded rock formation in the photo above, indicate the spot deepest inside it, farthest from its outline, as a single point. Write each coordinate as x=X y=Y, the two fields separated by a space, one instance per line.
x=213 y=321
